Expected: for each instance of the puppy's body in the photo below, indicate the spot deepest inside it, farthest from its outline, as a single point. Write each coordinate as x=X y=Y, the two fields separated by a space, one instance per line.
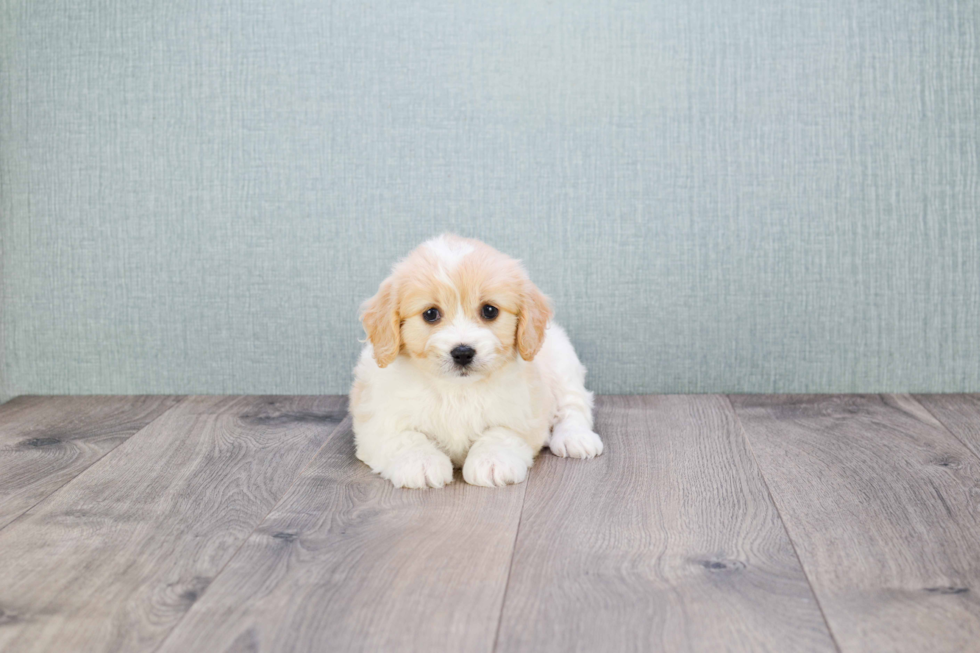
x=421 y=403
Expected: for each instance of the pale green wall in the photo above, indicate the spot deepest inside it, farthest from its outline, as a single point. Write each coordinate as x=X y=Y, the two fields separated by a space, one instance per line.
x=725 y=195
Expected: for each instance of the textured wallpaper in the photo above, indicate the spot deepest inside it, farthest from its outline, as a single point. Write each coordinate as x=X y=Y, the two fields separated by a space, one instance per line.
x=727 y=195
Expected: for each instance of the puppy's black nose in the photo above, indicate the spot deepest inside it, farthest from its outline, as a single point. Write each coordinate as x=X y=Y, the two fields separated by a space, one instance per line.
x=463 y=355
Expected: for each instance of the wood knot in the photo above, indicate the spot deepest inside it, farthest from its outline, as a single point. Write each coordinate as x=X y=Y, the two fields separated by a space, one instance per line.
x=8 y=617
x=41 y=442
x=950 y=589
x=285 y=537
x=281 y=419
x=190 y=591
x=717 y=565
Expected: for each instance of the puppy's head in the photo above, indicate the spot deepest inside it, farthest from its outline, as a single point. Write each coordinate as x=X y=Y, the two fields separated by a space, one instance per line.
x=458 y=308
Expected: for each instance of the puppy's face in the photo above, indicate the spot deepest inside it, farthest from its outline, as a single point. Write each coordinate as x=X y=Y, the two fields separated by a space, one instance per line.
x=458 y=308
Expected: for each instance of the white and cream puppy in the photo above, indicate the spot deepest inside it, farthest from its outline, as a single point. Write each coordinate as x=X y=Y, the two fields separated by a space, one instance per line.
x=462 y=368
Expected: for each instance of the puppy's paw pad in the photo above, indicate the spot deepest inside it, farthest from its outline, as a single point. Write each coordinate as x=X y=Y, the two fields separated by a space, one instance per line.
x=575 y=442
x=418 y=470
x=494 y=468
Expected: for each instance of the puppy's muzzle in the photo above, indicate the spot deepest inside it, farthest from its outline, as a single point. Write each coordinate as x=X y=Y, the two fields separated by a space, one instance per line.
x=463 y=355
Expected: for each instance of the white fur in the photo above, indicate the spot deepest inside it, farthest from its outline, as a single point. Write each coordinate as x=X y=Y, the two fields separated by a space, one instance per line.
x=449 y=253
x=419 y=424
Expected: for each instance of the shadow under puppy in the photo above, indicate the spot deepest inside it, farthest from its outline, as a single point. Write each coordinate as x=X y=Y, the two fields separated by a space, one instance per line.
x=462 y=368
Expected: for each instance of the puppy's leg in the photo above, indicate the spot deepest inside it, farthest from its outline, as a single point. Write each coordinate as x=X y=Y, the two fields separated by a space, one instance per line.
x=572 y=435
x=408 y=459
x=499 y=457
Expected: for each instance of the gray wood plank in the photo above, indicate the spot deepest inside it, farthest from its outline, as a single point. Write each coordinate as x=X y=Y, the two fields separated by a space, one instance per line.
x=883 y=505
x=960 y=414
x=47 y=441
x=347 y=562
x=668 y=541
x=115 y=558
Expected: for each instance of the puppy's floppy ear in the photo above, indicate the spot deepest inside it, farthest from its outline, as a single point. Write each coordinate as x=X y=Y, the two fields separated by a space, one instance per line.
x=379 y=315
x=532 y=321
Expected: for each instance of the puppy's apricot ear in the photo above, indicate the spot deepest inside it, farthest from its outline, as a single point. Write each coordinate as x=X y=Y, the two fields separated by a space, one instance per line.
x=379 y=315
x=532 y=321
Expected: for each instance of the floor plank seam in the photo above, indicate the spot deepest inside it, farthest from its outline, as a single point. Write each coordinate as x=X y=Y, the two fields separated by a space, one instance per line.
x=510 y=567
x=945 y=426
x=789 y=536
x=343 y=423
x=91 y=465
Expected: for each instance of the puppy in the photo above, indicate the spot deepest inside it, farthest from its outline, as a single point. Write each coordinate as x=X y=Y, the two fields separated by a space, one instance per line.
x=462 y=368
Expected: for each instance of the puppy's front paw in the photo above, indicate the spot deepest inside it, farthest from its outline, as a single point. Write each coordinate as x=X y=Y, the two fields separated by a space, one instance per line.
x=495 y=466
x=574 y=441
x=419 y=469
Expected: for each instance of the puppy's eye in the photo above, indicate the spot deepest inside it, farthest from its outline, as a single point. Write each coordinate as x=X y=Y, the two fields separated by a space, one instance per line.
x=490 y=312
x=432 y=315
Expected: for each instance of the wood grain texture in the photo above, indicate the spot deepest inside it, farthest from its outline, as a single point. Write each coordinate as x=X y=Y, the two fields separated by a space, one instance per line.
x=347 y=562
x=960 y=414
x=115 y=558
x=47 y=441
x=668 y=541
x=883 y=505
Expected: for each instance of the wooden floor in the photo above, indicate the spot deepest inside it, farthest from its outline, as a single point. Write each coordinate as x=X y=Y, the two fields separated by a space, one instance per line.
x=711 y=523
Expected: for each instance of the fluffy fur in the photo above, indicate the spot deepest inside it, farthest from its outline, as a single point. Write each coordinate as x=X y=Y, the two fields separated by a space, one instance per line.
x=417 y=413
